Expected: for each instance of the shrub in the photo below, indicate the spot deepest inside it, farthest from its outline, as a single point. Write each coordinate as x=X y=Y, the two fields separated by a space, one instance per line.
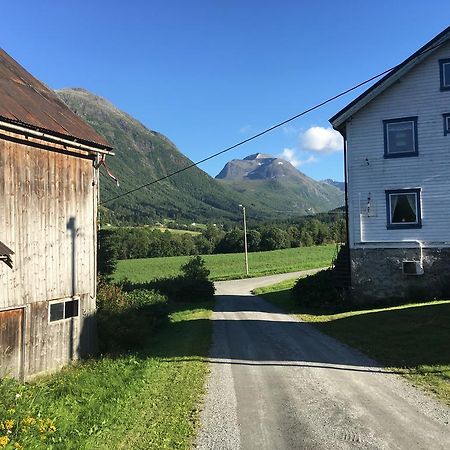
x=317 y=291
x=126 y=319
x=192 y=286
x=195 y=269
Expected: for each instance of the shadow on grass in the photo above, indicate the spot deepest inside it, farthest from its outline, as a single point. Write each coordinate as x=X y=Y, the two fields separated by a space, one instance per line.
x=405 y=338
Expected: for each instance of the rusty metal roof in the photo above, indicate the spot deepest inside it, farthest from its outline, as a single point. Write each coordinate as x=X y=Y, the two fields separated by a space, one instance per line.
x=27 y=101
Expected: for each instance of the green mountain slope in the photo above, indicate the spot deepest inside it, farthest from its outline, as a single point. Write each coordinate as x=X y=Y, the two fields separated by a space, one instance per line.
x=143 y=155
x=274 y=181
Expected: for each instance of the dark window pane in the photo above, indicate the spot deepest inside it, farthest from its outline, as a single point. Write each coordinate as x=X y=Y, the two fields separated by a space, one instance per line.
x=447 y=122
x=71 y=308
x=446 y=69
x=56 y=311
x=403 y=208
x=401 y=137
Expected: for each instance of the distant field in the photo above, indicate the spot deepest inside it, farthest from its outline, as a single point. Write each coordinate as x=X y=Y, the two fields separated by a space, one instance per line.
x=230 y=266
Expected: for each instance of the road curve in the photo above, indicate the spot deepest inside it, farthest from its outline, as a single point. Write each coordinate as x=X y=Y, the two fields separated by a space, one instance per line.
x=277 y=383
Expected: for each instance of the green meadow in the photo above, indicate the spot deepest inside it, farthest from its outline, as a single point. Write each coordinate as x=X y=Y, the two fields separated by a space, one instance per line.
x=232 y=265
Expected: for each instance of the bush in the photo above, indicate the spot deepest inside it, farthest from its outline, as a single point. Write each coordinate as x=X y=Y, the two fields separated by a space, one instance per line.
x=127 y=319
x=195 y=268
x=192 y=286
x=317 y=291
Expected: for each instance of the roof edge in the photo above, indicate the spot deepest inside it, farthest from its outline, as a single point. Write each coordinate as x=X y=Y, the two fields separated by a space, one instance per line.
x=68 y=137
x=355 y=105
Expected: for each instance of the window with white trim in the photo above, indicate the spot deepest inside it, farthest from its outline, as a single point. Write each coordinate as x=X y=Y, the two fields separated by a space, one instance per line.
x=63 y=309
x=446 y=124
x=444 y=68
x=400 y=137
x=403 y=208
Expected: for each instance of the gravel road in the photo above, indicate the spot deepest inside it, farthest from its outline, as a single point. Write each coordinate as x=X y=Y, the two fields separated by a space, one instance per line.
x=277 y=383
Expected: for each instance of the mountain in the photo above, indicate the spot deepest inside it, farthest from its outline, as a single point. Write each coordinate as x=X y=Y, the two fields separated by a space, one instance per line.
x=275 y=181
x=143 y=155
x=339 y=184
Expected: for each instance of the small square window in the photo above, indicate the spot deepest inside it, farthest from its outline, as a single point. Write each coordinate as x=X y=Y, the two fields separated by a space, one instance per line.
x=403 y=208
x=400 y=137
x=64 y=309
x=71 y=309
x=56 y=311
x=446 y=124
x=444 y=67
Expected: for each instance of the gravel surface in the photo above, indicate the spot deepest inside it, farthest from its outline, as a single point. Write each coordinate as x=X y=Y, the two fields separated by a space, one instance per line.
x=277 y=383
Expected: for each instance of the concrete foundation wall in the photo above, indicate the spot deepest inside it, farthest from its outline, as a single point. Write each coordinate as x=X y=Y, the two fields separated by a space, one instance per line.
x=377 y=274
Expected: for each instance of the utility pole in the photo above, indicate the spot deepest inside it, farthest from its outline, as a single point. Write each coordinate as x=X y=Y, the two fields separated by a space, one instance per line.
x=245 y=240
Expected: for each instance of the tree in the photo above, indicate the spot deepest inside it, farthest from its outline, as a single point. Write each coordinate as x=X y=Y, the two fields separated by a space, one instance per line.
x=107 y=252
x=253 y=240
x=274 y=238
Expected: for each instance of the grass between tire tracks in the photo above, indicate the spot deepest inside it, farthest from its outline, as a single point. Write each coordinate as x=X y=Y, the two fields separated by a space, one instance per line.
x=146 y=400
x=230 y=266
x=411 y=339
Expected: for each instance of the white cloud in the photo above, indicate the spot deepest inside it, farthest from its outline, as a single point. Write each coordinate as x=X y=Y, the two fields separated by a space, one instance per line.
x=289 y=154
x=321 y=140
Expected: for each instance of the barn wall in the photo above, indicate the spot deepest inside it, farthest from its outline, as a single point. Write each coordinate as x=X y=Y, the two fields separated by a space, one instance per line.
x=48 y=218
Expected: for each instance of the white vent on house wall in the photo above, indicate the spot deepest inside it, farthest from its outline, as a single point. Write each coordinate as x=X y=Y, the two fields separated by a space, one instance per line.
x=412 y=268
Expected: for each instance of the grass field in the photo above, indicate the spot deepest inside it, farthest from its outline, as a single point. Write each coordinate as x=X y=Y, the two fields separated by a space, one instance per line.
x=412 y=339
x=141 y=401
x=230 y=266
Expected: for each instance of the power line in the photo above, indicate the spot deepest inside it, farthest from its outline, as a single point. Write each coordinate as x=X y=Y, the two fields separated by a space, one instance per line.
x=267 y=130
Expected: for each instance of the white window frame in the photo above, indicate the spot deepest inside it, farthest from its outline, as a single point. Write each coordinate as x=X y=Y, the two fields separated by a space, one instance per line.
x=387 y=123
x=63 y=301
x=404 y=225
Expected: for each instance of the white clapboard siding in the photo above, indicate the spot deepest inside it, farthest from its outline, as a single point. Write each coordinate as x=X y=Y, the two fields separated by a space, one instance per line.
x=416 y=94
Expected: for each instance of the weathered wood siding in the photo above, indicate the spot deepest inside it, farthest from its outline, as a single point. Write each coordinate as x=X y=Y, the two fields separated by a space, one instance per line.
x=416 y=94
x=47 y=217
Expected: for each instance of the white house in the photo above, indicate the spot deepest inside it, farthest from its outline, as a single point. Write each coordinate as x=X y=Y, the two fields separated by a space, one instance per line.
x=397 y=164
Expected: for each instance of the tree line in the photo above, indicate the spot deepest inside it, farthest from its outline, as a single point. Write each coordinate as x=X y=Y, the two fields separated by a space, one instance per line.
x=145 y=242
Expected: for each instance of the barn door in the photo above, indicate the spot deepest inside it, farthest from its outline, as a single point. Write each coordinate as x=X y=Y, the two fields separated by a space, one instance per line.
x=11 y=338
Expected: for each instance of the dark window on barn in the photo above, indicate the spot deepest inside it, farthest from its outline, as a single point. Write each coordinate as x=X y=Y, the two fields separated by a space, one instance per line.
x=400 y=137
x=71 y=309
x=64 y=309
x=403 y=208
x=446 y=124
x=56 y=311
x=444 y=67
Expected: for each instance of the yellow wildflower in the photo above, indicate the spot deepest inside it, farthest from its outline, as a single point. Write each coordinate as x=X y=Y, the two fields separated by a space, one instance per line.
x=28 y=421
x=18 y=446
x=9 y=424
x=4 y=441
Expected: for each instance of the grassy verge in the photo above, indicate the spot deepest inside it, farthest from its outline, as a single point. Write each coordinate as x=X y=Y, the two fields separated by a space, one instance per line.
x=412 y=339
x=146 y=400
x=230 y=266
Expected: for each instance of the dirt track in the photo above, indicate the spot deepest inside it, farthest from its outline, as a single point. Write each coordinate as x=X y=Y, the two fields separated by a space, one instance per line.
x=277 y=383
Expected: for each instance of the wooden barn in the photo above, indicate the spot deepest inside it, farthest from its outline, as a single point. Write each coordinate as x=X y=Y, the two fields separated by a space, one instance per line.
x=49 y=160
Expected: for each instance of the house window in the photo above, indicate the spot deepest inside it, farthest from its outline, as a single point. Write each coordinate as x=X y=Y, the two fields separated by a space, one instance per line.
x=403 y=209
x=444 y=66
x=400 y=137
x=63 y=309
x=446 y=124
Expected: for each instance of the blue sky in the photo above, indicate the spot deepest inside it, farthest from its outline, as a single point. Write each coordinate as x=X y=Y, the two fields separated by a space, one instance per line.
x=210 y=73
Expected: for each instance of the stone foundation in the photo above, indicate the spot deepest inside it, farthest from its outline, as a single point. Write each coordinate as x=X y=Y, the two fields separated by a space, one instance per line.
x=377 y=274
